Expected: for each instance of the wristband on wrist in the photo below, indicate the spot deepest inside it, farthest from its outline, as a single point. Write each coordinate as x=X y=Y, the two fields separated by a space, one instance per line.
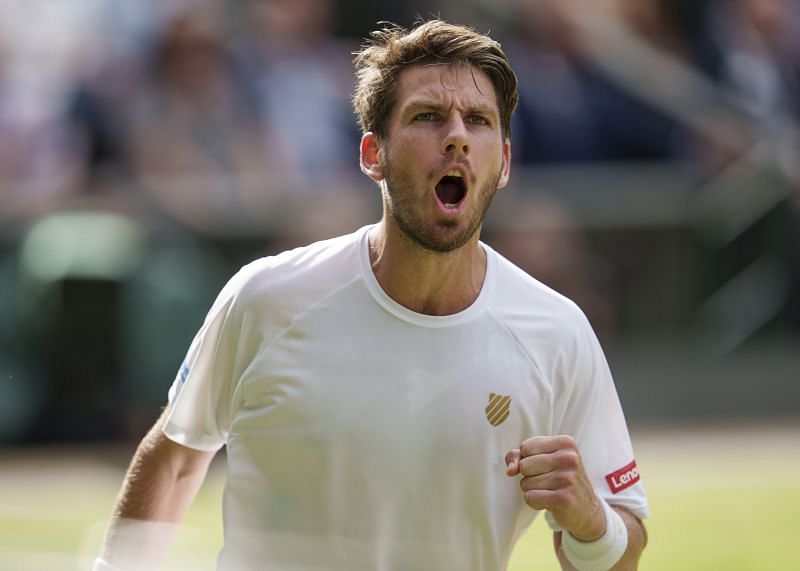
x=602 y=553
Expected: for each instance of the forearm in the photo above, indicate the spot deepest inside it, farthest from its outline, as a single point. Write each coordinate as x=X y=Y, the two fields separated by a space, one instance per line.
x=161 y=482
x=637 y=540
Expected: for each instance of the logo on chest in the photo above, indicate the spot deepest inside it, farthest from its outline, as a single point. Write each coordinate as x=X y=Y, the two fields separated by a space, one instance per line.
x=498 y=409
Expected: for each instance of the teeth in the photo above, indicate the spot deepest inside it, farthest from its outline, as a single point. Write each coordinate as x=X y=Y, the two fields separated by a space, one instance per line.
x=449 y=205
x=453 y=173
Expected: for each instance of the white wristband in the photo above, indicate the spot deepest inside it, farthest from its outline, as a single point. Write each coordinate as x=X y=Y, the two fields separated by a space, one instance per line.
x=101 y=564
x=600 y=554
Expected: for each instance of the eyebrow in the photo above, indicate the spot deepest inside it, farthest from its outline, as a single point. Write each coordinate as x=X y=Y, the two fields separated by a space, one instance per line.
x=435 y=106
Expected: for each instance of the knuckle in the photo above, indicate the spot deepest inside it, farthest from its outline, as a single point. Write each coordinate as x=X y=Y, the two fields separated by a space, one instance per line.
x=568 y=441
x=570 y=459
x=530 y=445
x=534 y=500
x=563 y=480
x=528 y=484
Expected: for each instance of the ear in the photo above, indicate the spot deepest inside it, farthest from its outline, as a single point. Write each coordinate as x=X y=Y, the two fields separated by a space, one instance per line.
x=505 y=171
x=371 y=156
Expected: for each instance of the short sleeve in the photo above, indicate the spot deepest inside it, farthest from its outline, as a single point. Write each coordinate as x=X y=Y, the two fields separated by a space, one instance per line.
x=592 y=414
x=201 y=396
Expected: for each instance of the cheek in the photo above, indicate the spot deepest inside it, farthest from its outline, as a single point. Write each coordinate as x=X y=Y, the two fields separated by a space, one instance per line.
x=490 y=158
x=407 y=159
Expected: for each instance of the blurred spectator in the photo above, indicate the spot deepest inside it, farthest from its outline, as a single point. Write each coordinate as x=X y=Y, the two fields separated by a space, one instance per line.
x=569 y=111
x=756 y=48
x=759 y=44
x=34 y=165
x=194 y=145
x=656 y=22
x=60 y=134
x=113 y=77
x=301 y=79
x=555 y=120
x=752 y=51
x=97 y=116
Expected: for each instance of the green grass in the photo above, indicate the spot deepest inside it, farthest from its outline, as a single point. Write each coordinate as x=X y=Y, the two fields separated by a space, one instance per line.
x=722 y=499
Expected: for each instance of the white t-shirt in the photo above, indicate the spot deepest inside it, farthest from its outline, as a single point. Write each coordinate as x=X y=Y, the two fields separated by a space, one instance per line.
x=362 y=435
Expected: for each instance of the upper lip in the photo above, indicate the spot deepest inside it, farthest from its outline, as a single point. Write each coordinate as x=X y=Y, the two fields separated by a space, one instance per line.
x=460 y=168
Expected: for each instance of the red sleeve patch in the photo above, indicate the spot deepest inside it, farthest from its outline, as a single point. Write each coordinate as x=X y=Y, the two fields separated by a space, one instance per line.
x=623 y=478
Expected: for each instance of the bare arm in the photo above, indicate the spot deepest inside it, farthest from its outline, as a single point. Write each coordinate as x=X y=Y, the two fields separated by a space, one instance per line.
x=162 y=480
x=637 y=540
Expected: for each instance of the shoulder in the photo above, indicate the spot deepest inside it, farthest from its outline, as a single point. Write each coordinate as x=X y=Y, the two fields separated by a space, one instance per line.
x=306 y=272
x=521 y=298
x=550 y=327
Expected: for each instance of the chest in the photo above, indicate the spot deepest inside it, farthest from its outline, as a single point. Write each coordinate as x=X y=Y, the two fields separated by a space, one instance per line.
x=371 y=380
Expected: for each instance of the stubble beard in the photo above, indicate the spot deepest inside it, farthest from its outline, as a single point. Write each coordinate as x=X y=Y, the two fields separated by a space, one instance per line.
x=401 y=200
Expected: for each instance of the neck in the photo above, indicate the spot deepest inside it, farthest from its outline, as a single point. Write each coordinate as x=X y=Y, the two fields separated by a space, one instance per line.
x=424 y=281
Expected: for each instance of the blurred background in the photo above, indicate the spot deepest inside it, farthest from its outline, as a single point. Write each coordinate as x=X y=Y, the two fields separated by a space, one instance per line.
x=149 y=149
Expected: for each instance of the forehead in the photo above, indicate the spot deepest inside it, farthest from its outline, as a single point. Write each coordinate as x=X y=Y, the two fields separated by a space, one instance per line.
x=445 y=84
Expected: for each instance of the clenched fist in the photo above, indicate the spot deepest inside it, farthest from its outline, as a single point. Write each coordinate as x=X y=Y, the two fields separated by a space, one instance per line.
x=554 y=479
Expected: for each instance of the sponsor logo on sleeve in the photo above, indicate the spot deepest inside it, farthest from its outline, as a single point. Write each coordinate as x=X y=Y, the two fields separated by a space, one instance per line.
x=184 y=372
x=623 y=478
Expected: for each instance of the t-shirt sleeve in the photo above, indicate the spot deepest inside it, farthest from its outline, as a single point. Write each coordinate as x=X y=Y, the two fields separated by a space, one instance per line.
x=592 y=414
x=201 y=396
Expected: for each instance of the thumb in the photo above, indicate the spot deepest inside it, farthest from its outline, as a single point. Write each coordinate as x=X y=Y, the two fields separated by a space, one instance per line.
x=512 y=462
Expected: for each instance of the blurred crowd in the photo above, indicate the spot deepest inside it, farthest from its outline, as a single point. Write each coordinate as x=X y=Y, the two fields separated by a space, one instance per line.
x=212 y=113
x=228 y=124
x=178 y=116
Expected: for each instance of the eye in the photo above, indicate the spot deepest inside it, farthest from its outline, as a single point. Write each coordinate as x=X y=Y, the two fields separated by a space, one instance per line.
x=477 y=120
x=425 y=116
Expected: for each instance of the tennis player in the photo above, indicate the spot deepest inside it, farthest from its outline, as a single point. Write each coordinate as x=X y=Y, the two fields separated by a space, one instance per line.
x=403 y=397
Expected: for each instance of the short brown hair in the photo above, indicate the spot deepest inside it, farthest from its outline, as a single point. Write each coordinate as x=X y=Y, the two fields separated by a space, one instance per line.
x=394 y=48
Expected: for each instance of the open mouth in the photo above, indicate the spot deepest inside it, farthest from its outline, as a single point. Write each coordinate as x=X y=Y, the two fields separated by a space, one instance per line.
x=451 y=189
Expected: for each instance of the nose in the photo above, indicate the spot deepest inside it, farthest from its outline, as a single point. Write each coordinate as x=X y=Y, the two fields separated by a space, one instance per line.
x=456 y=139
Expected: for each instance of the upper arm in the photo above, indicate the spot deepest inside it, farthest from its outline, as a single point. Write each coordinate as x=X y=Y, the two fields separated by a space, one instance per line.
x=165 y=452
x=162 y=479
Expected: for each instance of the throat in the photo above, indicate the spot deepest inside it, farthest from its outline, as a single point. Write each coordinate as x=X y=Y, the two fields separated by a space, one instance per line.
x=430 y=284
x=442 y=299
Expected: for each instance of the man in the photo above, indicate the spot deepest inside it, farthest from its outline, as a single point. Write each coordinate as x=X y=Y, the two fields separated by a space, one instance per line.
x=403 y=397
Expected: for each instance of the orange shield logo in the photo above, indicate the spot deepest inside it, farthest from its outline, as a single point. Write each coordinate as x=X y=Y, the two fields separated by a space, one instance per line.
x=498 y=409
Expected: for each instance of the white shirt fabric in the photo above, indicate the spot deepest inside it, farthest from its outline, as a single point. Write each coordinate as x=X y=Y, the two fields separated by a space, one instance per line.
x=356 y=430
